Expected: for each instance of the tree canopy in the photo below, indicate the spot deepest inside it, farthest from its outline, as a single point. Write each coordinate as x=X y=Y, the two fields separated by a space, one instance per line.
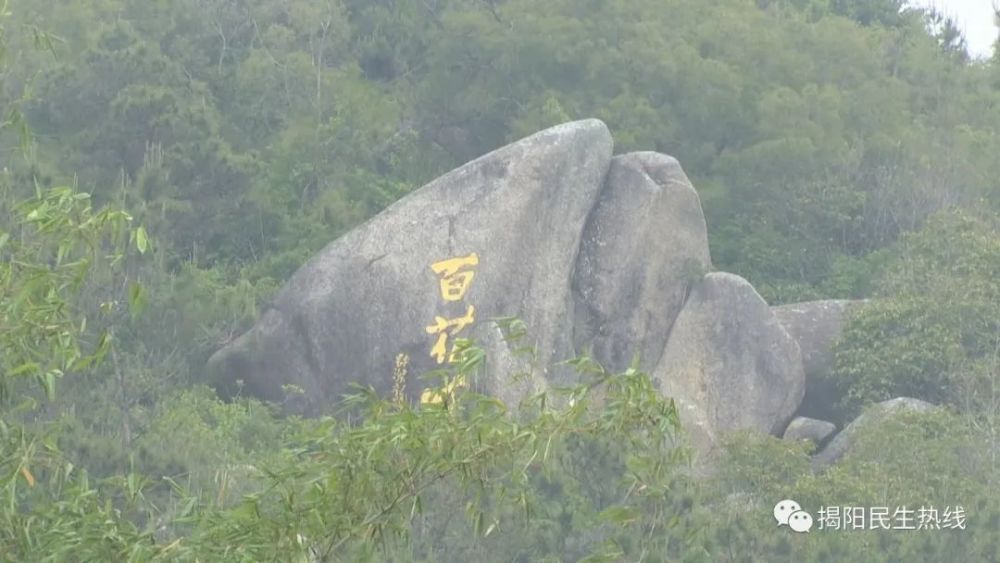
x=167 y=165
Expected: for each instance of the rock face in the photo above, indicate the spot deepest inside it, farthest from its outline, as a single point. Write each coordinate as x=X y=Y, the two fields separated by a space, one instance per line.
x=729 y=364
x=816 y=326
x=802 y=428
x=867 y=422
x=597 y=255
x=496 y=237
x=644 y=237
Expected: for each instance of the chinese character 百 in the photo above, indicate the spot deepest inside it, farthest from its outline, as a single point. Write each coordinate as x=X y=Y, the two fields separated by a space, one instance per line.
x=455 y=283
x=441 y=327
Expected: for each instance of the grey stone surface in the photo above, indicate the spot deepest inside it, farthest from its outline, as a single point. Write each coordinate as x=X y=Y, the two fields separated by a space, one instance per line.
x=816 y=326
x=371 y=294
x=804 y=428
x=643 y=241
x=596 y=254
x=729 y=364
x=843 y=441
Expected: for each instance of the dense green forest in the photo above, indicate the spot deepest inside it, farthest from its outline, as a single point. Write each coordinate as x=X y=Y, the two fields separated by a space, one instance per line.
x=167 y=164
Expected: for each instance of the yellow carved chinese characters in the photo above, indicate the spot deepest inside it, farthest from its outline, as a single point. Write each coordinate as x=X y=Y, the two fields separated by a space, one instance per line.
x=441 y=327
x=429 y=397
x=456 y=276
x=455 y=281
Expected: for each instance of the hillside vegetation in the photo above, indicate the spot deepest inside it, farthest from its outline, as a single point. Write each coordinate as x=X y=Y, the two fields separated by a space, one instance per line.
x=166 y=165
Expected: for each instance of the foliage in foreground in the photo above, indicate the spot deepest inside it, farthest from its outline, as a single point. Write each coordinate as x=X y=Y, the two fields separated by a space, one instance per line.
x=344 y=491
x=466 y=481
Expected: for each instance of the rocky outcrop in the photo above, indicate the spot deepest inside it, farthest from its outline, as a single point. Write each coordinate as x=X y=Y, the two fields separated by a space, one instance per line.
x=729 y=364
x=816 y=326
x=867 y=422
x=803 y=428
x=496 y=237
x=642 y=243
x=597 y=255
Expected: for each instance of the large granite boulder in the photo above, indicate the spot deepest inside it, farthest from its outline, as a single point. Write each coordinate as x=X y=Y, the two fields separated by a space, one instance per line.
x=729 y=364
x=867 y=422
x=495 y=237
x=643 y=242
x=597 y=255
x=816 y=326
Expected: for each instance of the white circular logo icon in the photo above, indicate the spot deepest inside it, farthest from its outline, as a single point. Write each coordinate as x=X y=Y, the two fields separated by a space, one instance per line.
x=784 y=509
x=800 y=521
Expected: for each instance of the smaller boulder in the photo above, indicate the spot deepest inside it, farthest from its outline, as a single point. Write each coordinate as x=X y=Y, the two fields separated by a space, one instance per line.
x=805 y=428
x=869 y=421
x=728 y=364
x=816 y=327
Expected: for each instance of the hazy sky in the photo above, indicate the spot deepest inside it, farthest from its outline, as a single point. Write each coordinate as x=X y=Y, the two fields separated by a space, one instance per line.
x=975 y=18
